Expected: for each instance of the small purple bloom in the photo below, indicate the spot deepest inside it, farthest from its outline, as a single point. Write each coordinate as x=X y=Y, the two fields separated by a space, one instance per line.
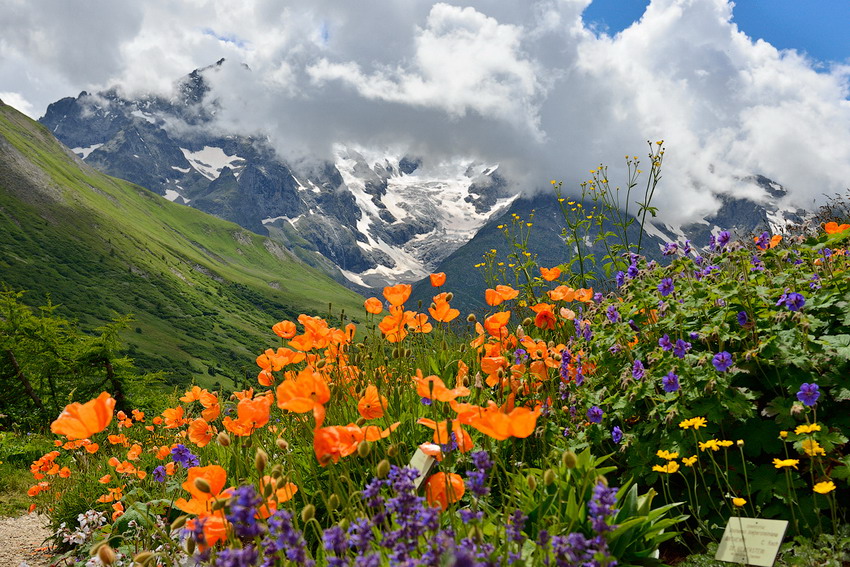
x=159 y=474
x=763 y=241
x=666 y=287
x=722 y=361
x=669 y=249
x=723 y=238
x=687 y=247
x=665 y=344
x=594 y=414
x=520 y=356
x=616 y=434
x=620 y=278
x=681 y=348
x=612 y=314
x=809 y=394
x=598 y=297
x=742 y=318
x=793 y=301
x=670 y=382
x=426 y=401
x=632 y=272
x=634 y=326
x=815 y=282
x=637 y=370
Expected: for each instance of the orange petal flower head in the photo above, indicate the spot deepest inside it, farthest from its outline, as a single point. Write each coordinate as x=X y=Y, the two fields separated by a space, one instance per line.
x=442 y=311
x=492 y=297
x=200 y=432
x=373 y=305
x=78 y=421
x=442 y=489
x=835 y=228
x=496 y=323
x=397 y=294
x=438 y=279
x=372 y=404
x=285 y=329
x=550 y=274
x=545 y=320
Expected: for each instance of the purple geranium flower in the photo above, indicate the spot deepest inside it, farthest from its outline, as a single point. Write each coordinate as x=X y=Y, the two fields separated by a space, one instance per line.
x=664 y=343
x=666 y=287
x=742 y=318
x=616 y=434
x=670 y=382
x=722 y=361
x=681 y=348
x=809 y=394
x=793 y=301
x=637 y=370
x=594 y=414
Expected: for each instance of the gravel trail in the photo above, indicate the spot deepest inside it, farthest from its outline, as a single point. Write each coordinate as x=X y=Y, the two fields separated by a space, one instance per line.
x=22 y=541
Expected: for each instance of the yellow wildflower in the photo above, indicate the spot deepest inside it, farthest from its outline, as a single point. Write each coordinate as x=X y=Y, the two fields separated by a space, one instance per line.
x=807 y=428
x=813 y=448
x=689 y=461
x=781 y=463
x=710 y=444
x=695 y=422
x=725 y=443
x=783 y=434
x=738 y=502
x=667 y=455
x=824 y=487
x=669 y=468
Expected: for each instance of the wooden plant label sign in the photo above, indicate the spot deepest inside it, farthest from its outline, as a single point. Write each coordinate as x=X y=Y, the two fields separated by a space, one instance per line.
x=423 y=464
x=751 y=541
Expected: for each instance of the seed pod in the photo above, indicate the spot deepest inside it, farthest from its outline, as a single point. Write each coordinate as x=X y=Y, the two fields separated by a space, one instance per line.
x=363 y=449
x=392 y=450
x=106 y=554
x=282 y=444
x=450 y=296
x=219 y=504
x=267 y=490
x=223 y=439
x=532 y=482
x=383 y=469
x=548 y=477
x=143 y=558
x=190 y=545
x=202 y=485
x=277 y=471
x=470 y=318
x=527 y=322
x=360 y=421
x=569 y=459
x=179 y=523
x=261 y=459
x=308 y=512
x=333 y=502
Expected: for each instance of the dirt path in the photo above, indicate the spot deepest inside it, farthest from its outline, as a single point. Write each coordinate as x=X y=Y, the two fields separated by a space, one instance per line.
x=22 y=541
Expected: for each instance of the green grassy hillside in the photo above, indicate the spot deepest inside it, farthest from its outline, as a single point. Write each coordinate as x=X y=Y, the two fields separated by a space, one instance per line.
x=203 y=291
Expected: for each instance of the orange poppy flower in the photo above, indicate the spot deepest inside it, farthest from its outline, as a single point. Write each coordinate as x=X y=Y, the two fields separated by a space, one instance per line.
x=507 y=292
x=214 y=527
x=118 y=508
x=419 y=323
x=562 y=293
x=373 y=305
x=584 y=295
x=285 y=329
x=201 y=502
x=495 y=324
x=92 y=448
x=397 y=294
x=332 y=443
x=134 y=452
x=550 y=274
x=191 y=395
x=545 y=319
x=442 y=435
x=252 y=414
x=492 y=297
x=495 y=423
x=211 y=413
x=105 y=479
x=138 y=415
x=394 y=325
x=442 y=489
x=441 y=310
x=438 y=279
x=432 y=387
x=835 y=228
x=301 y=394
x=372 y=404
x=173 y=417
x=200 y=433
x=78 y=421
x=490 y=365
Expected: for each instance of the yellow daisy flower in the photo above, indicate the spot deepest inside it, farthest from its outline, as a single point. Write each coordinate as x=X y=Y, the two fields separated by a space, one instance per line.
x=824 y=487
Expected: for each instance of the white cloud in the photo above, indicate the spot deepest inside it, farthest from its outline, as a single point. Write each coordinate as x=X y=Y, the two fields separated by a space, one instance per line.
x=18 y=102
x=528 y=85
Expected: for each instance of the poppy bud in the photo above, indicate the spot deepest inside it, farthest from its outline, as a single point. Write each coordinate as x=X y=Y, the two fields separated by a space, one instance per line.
x=106 y=554
x=520 y=332
x=527 y=322
x=143 y=559
x=557 y=356
x=602 y=480
x=343 y=523
x=333 y=502
x=433 y=305
x=392 y=450
x=320 y=364
x=261 y=459
x=548 y=477
x=470 y=318
x=360 y=421
x=569 y=459
x=190 y=546
x=277 y=471
x=363 y=449
x=267 y=490
x=532 y=482
x=223 y=439
x=739 y=442
x=395 y=352
x=202 y=485
x=450 y=296
x=383 y=469
x=308 y=512
x=219 y=504
x=282 y=444
x=178 y=523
